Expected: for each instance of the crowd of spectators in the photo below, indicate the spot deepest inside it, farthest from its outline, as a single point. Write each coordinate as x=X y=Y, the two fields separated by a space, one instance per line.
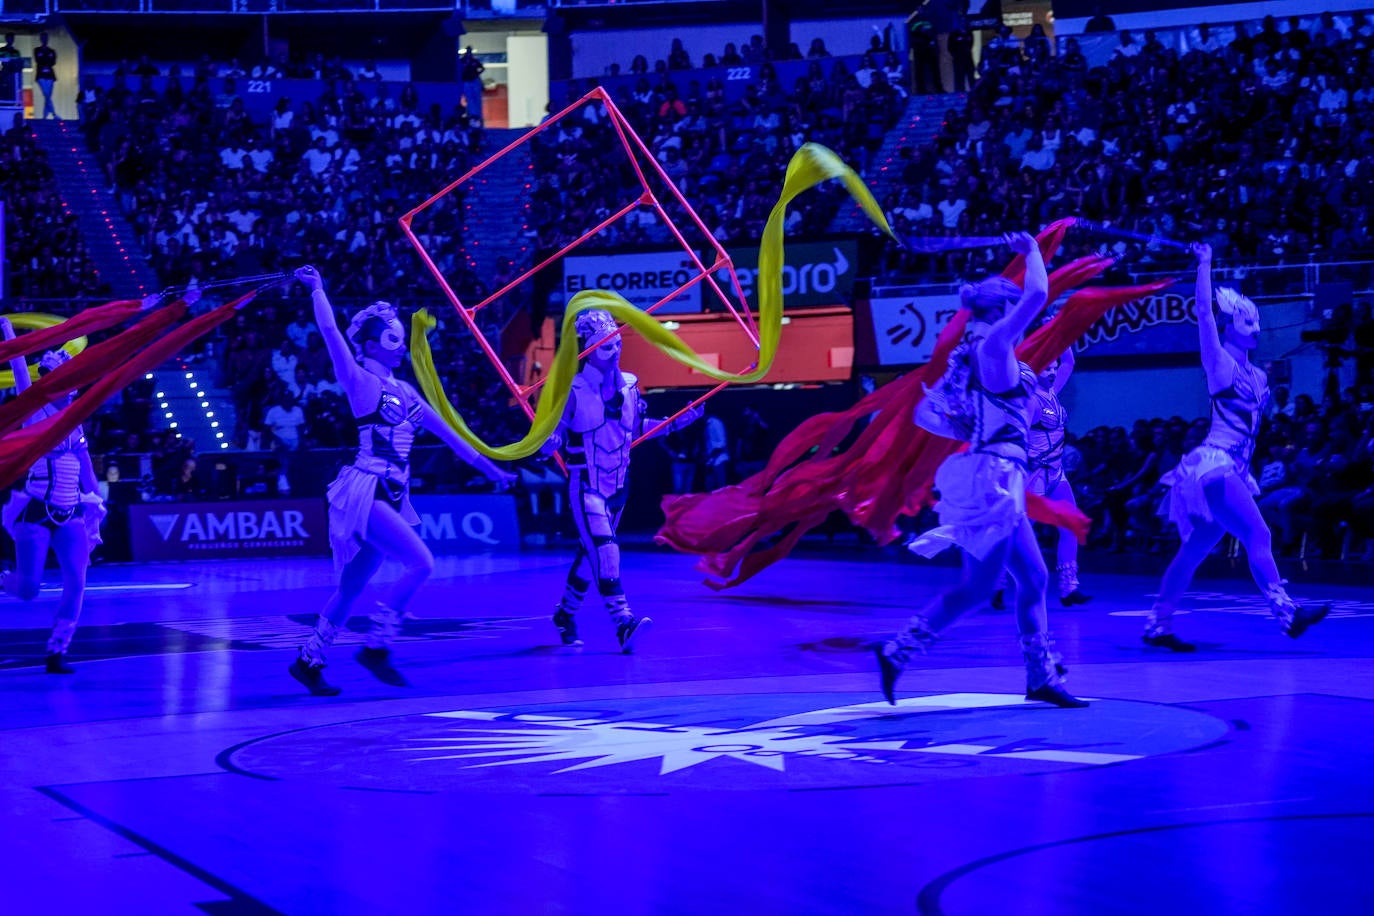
x=726 y=157
x=212 y=192
x=45 y=257
x=1261 y=145
x=753 y=51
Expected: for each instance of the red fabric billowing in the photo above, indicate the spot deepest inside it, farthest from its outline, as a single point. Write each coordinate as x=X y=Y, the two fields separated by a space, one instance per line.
x=89 y=321
x=889 y=469
x=19 y=450
x=86 y=367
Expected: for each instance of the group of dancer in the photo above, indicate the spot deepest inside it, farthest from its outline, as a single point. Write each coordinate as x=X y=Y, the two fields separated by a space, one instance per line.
x=370 y=516
x=1015 y=439
x=1009 y=416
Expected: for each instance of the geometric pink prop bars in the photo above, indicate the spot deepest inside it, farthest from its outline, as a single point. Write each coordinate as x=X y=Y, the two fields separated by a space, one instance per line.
x=650 y=175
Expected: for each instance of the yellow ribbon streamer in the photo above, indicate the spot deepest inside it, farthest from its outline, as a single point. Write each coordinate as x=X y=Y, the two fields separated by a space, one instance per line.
x=810 y=165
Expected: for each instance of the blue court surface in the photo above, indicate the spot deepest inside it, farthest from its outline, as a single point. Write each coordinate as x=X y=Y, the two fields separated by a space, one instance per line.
x=741 y=761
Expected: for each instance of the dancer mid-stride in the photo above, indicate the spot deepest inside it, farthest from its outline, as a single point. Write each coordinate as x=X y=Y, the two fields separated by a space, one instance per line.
x=370 y=516
x=56 y=507
x=1212 y=491
x=605 y=414
x=1047 y=477
x=982 y=506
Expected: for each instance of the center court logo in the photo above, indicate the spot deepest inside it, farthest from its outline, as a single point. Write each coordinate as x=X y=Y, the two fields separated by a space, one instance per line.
x=748 y=742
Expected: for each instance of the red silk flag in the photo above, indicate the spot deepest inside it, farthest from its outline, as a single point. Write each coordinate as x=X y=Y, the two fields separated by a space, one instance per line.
x=20 y=450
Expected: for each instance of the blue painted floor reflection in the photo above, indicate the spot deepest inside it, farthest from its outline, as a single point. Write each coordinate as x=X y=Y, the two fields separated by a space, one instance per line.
x=739 y=762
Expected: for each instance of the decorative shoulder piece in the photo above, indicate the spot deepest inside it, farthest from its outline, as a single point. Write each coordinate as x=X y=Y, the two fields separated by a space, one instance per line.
x=947 y=408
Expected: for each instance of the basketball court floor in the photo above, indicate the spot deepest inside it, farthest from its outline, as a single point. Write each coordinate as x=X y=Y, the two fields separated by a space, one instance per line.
x=741 y=761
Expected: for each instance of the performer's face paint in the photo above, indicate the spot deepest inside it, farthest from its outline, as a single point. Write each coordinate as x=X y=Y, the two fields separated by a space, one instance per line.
x=608 y=353
x=1242 y=319
x=388 y=346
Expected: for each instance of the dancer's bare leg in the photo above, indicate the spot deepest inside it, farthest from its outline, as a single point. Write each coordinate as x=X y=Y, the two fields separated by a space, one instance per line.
x=72 y=546
x=1234 y=506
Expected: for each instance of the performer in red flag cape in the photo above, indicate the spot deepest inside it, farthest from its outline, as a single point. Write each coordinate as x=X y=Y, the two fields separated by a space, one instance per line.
x=370 y=516
x=984 y=398
x=57 y=508
x=1212 y=491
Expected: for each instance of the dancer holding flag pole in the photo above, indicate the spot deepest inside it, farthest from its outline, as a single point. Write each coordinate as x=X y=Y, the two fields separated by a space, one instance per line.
x=1212 y=491
x=57 y=507
x=984 y=399
x=370 y=516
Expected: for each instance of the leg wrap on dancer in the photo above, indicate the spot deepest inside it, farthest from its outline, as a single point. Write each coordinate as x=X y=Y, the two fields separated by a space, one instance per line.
x=386 y=626
x=1041 y=661
x=1068 y=583
x=574 y=591
x=916 y=639
x=321 y=638
x=61 y=637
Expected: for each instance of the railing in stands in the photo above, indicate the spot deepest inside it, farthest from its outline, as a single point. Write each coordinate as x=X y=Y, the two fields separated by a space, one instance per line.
x=1287 y=280
x=477 y=9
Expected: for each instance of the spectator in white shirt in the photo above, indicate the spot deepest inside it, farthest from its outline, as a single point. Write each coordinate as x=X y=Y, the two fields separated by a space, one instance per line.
x=285 y=420
x=318 y=157
x=233 y=156
x=951 y=208
x=260 y=158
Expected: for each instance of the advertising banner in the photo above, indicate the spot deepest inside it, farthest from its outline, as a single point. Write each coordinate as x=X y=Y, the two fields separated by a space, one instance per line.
x=1158 y=325
x=643 y=278
x=816 y=273
x=905 y=327
x=468 y=523
x=252 y=528
x=1164 y=324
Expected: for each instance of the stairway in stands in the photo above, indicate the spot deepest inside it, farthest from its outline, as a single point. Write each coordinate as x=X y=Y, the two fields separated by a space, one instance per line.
x=186 y=402
x=916 y=128
x=496 y=208
x=118 y=256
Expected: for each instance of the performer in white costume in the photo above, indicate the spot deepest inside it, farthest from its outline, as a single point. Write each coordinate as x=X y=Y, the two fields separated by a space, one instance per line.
x=1212 y=491
x=605 y=414
x=57 y=506
x=982 y=503
x=370 y=516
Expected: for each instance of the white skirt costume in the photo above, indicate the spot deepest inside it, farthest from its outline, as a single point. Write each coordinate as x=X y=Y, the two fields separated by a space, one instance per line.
x=982 y=492
x=380 y=471
x=52 y=495
x=1227 y=450
x=982 y=502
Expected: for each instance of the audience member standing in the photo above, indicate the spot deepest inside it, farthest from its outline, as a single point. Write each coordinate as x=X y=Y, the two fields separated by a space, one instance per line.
x=45 y=72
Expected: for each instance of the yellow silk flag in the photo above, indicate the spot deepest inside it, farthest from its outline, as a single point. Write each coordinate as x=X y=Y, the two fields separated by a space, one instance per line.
x=809 y=166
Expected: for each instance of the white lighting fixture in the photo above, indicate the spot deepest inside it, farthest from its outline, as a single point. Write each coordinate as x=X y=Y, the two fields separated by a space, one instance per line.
x=163 y=405
x=172 y=425
x=148 y=376
x=214 y=424
x=219 y=435
x=209 y=413
x=168 y=415
x=188 y=375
